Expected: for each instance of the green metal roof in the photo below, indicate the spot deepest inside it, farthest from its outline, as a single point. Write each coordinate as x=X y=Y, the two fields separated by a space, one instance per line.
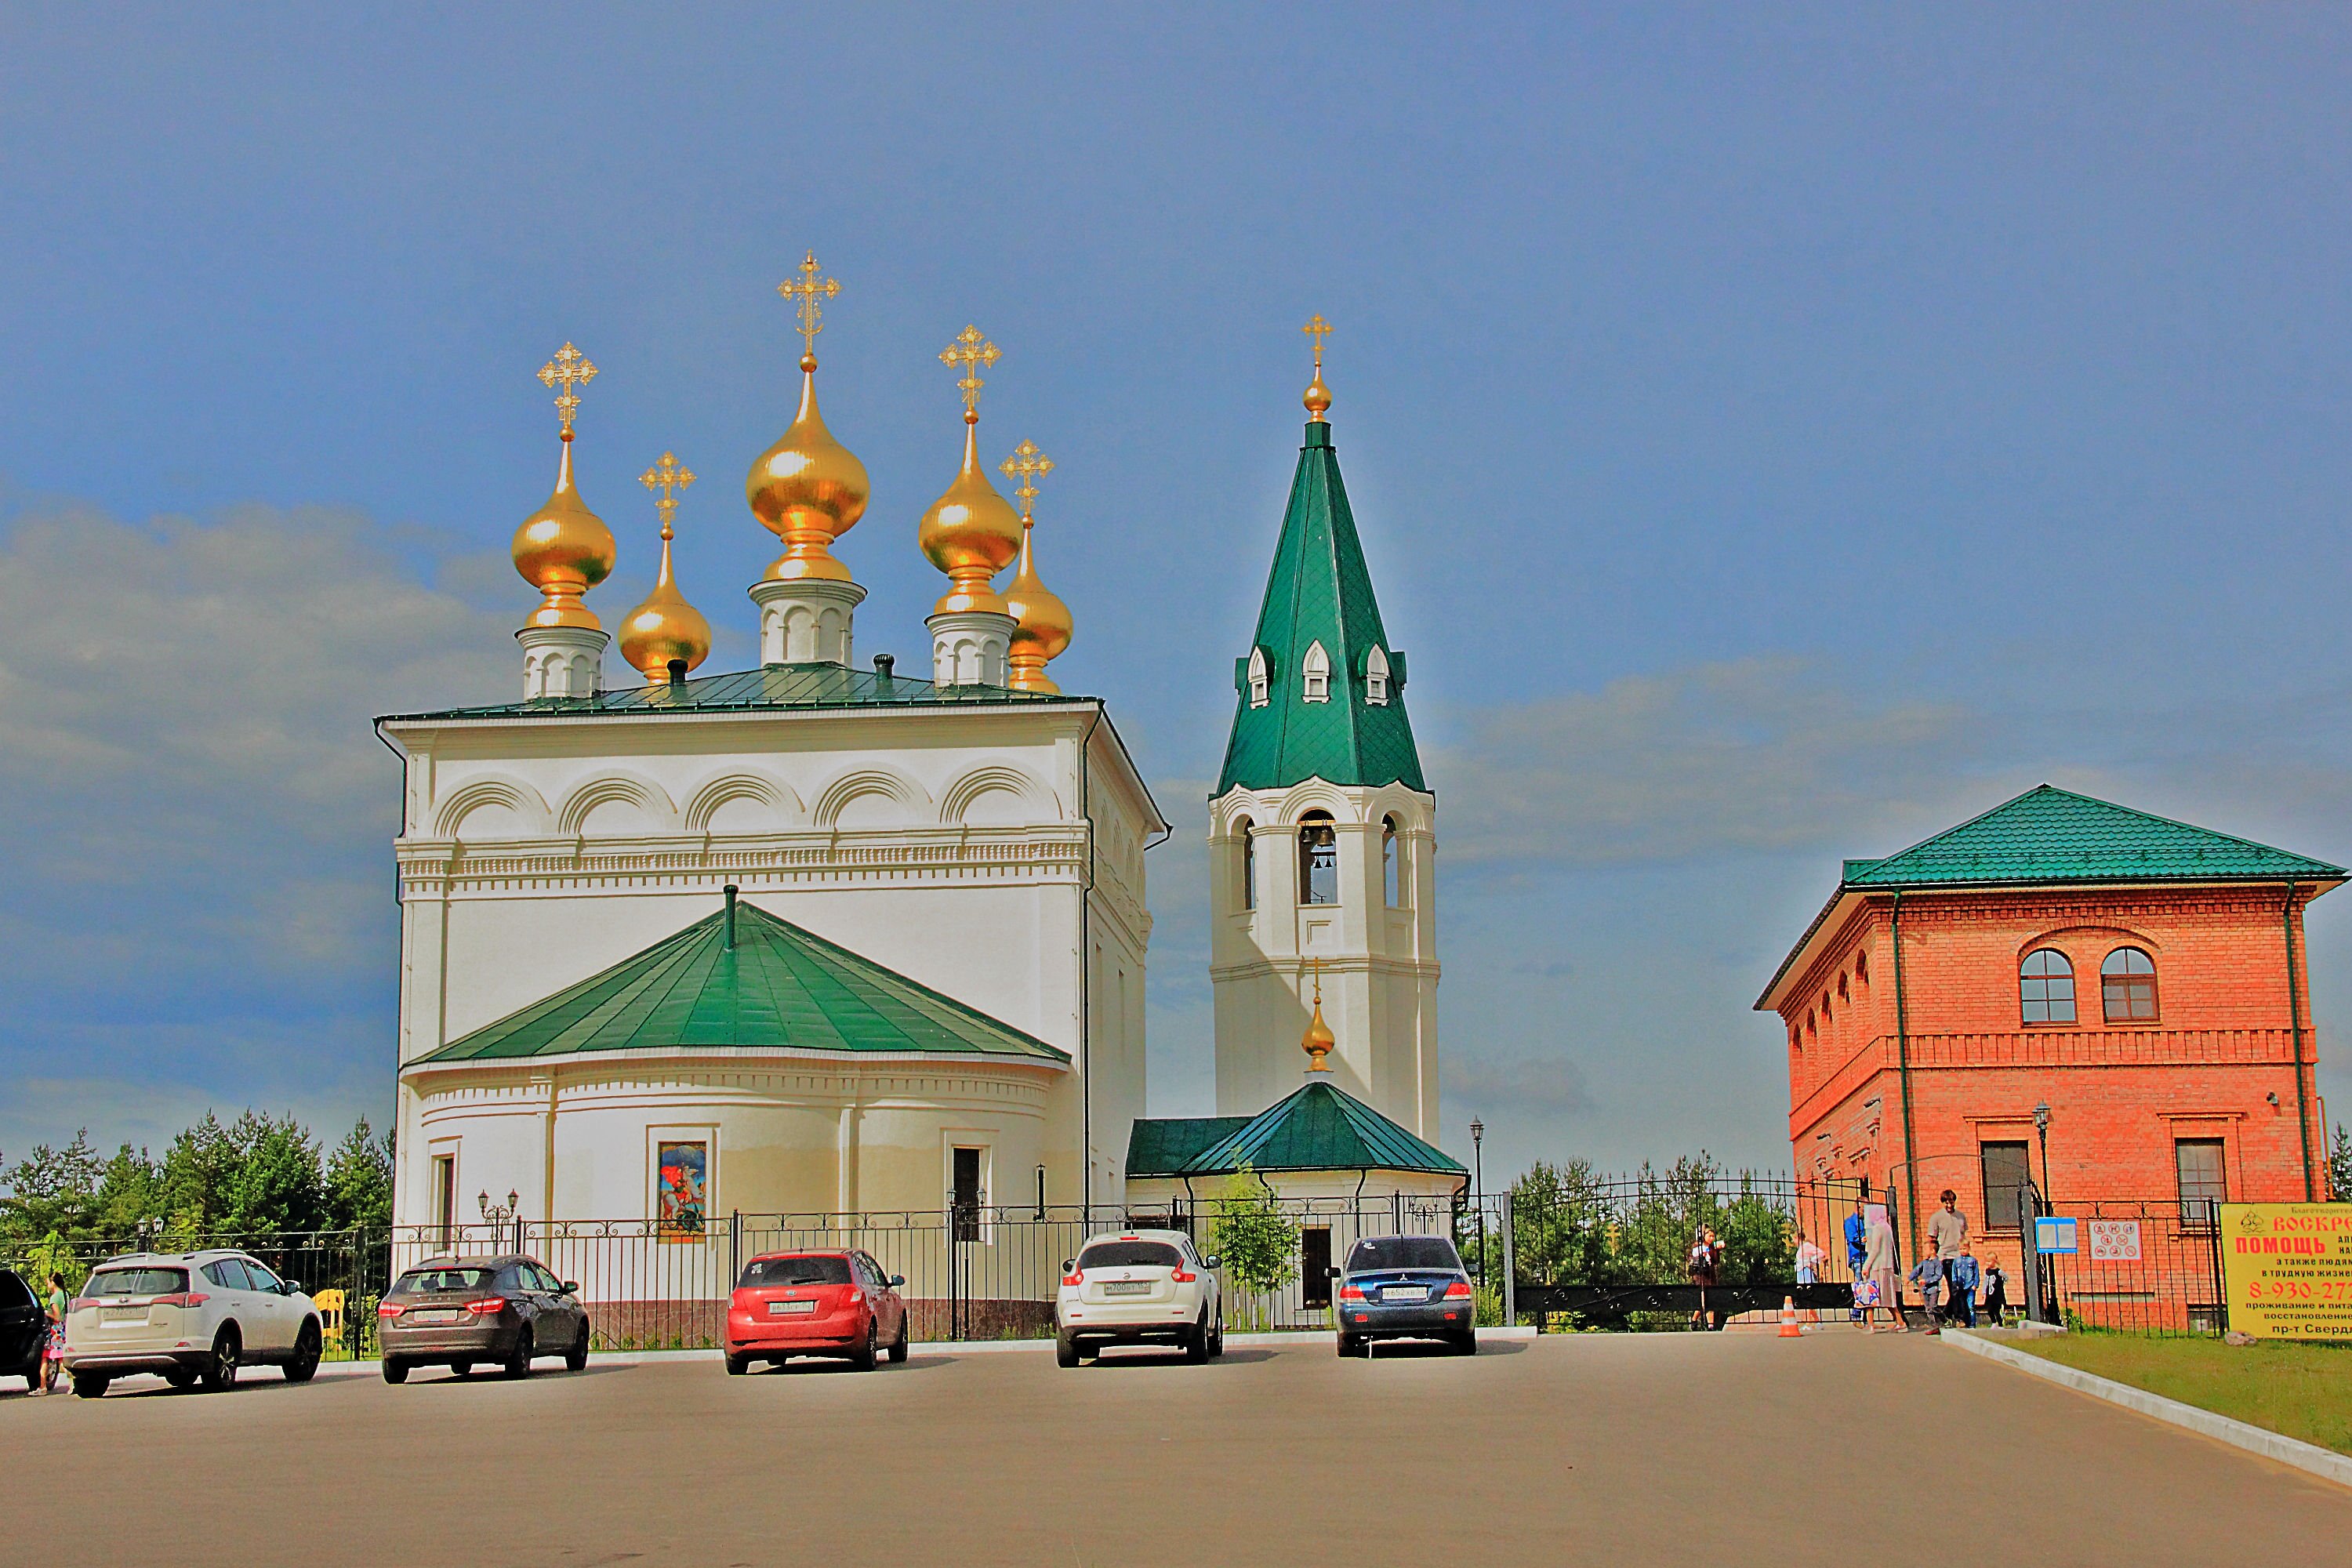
x=774 y=685
x=1319 y=1128
x=1159 y=1147
x=777 y=987
x=2050 y=835
x=1319 y=591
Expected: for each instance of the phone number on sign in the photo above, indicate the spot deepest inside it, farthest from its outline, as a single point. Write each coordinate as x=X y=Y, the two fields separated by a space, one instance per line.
x=2298 y=1291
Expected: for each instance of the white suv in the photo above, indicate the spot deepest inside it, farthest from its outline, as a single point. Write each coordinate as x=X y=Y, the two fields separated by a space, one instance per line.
x=1139 y=1286
x=187 y=1315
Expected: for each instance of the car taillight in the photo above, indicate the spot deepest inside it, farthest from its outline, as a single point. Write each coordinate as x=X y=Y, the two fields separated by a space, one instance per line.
x=184 y=1298
x=1182 y=1278
x=389 y=1310
x=1076 y=1277
x=1458 y=1291
x=488 y=1305
x=1351 y=1293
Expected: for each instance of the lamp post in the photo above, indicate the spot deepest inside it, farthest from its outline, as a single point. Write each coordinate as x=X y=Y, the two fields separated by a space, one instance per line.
x=1479 y=1189
x=2041 y=1131
x=499 y=1213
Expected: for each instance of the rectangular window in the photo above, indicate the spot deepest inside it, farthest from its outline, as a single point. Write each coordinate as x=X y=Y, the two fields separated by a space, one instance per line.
x=2006 y=1178
x=969 y=1197
x=1315 y=1265
x=444 y=1194
x=2203 y=1180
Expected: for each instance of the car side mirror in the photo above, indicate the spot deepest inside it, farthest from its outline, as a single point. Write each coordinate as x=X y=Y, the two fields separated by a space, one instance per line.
x=1333 y=1271
x=896 y=1280
x=572 y=1286
x=1210 y=1261
x=1068 y=1263
x=293 y=1286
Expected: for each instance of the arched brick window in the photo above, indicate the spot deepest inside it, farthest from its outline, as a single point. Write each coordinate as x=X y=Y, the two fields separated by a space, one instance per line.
x=2046 y=987
x=2127 y=986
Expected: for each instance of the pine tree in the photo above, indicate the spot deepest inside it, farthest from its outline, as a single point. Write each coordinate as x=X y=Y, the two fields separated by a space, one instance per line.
x=2339 y=1165
x=359 y=1180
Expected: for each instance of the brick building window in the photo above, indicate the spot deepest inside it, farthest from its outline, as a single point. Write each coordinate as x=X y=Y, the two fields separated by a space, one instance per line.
x=2204 y=1181
x=2127 y=984
x=2006 y=1177
x=2046 y=987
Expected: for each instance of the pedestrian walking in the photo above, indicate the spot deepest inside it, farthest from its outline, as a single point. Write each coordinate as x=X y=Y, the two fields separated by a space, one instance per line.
x=1704 y=1259
x=1928 y=1275
x=1809 y=1260
x=1947 y=1235
x=1961 y=1307
x=1878 y=1267
x=1855 y=1228
x=1995 y=1291
x=54 y=1309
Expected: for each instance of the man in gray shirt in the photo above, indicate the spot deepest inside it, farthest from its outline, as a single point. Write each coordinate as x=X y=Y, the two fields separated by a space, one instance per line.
x=1947 y=1235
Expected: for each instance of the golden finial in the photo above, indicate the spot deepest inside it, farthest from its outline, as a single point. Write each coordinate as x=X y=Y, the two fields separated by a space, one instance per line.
x=971 y=351
x=571 y=367
x=1028 y=464
x=803 y=295
x=1318 y=397
x=664 y=629
x=1319 y=1041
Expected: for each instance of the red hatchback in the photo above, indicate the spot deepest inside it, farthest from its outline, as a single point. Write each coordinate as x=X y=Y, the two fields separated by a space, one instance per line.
x=815 y=1303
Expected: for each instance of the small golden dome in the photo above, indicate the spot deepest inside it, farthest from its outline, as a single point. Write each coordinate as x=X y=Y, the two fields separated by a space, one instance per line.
x=1317 y=397
x=563 y=549
x=1319 y=1042
x=664 y=628
x=809 y=488
x=970 y=533
x=1043 y=624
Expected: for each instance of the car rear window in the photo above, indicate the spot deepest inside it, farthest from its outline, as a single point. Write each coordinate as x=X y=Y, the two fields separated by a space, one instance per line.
x=764 y=1273
x=14 y=1292
x=137 y=1282
x=1404 y=1252
x=1130 y=1255
x=432 y=1282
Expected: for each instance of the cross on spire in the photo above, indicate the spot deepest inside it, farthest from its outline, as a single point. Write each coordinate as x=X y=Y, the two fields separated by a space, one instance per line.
x=971 y=351
x=1318 y=329
x=665 y=476
x=571 y=367
x=802 y=294
x=1028 y=464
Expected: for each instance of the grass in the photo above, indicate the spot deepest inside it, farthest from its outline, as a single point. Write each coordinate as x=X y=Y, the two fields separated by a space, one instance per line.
x=2302 y=1390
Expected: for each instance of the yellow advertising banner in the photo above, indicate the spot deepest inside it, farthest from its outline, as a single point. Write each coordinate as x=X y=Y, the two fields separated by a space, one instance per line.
x=2286 y=1270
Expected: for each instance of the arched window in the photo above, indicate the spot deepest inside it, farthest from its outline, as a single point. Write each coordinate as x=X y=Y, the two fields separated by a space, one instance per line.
x=1843 y=994
x=1257 y=697
x=1314 y=670
x=1376 y=677
x=1247 y=830
x=1392 y=864
x=1861 y=969
x=2127 y=986
x=2046 y=987
x=1318 y=859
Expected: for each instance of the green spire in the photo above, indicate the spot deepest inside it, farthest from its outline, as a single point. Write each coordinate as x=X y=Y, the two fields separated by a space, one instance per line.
x=1319 y=595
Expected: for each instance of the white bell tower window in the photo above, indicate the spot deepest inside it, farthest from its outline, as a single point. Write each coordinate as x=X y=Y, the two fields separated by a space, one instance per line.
x=1257 y=693
x=1315 y=670
x=1376 y=677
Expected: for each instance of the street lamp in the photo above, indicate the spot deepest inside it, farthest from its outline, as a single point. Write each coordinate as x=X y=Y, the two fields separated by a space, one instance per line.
x=1478 y=1188
x=499 y=1213
x=2041 y=1130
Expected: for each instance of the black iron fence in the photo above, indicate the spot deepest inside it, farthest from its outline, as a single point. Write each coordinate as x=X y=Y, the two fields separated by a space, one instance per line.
x=2149 y=1266
x=345 y=1272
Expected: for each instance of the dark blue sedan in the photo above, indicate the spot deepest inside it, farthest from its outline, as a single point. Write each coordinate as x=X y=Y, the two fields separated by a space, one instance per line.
x=1404 y=1287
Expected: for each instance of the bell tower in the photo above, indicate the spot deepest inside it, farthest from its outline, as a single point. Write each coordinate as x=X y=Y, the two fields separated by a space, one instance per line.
x=1322 y=834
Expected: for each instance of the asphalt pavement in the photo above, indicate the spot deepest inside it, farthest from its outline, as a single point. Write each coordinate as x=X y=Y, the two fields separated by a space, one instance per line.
x=1665 y=1448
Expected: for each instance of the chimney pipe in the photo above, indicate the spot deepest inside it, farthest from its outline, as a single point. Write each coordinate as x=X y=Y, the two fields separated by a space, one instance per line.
x=730 y=917
x=883 y=664
x=677 y=672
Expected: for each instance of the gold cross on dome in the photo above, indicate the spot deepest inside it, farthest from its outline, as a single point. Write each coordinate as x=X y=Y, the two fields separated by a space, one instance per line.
x=971 y=351
x=803 y=294
x=665 y=476
x=1028 y=464
x=571 y=367
x=1318 y=329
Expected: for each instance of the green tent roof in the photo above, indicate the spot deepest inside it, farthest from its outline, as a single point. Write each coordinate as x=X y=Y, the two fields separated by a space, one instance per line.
x=1319 y=591
x=1159 y=1146
x=768 y=687
x=777 y=987
x=1319 y=1128
x=2050 y=835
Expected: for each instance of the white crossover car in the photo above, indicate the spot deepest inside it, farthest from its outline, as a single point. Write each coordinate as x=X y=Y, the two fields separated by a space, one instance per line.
x=1139 y=1288
x=187 y=1316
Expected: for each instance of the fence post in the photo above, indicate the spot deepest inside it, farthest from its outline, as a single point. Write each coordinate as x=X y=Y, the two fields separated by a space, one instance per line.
x=734 y=1247
x=1511 y=1268
x=2221 y=1289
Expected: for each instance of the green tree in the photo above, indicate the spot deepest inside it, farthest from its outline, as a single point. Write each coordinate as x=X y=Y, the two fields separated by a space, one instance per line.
x=52 y=1191
x=359 y=1180
x=2339 y=1165
x=1559 y=1224
x=275 y=1179
x=1255 y=1242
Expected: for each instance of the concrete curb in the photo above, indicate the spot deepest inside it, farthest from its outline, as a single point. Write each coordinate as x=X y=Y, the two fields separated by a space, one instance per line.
x=2270 y=1445
x=918 y=1350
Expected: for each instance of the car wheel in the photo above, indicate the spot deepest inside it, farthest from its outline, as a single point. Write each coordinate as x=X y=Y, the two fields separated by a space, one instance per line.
x=576 y=1358
x=518 y=1364
x=1347 y=1344
x=91 y=1384
x=898 y=1345
x=1196 y=1343
x=1468 y=1343
x=863 y=1356
x=461 y=1368
x=394 y=1370
x=182 y=1377
x=229 y=1349
x=306 y=1353
x=737 y=1365
x=1066 y=1349
x=1216 y=1337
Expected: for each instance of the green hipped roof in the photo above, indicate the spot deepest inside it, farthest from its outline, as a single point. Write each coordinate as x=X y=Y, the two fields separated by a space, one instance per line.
x=1319 y=590
x=1319 y=1128
x=2050 y=835
x=779 y=987
x=770 y=686
x=1161 y=1146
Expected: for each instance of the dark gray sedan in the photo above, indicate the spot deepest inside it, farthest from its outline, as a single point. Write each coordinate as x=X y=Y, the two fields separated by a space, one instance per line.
x=1404 y=1287
x=460 y=1312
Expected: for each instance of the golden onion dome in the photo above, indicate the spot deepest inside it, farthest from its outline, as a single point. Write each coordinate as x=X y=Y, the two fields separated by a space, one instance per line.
x=563 y=549
x=1317 y=397
x=1319 y=1042
x=1041 y=629
x=970 y=533
x=664 y=627
x=809 y=488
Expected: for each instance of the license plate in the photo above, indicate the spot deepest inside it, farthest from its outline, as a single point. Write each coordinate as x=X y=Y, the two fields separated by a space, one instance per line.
x=432 y=1316
x=786 y=1308
x=1404 y=1293
x=1128 y=1287
x=122 y=1315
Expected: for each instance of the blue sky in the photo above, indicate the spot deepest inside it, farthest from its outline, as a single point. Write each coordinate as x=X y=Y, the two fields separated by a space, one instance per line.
x=1778 y=433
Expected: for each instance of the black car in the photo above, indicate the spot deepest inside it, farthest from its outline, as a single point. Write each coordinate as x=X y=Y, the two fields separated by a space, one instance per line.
x=1404 y=1287
x=24 y=1330
x=459 y=1311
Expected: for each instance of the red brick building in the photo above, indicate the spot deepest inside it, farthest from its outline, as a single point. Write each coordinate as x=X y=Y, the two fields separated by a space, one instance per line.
x=2142 y=978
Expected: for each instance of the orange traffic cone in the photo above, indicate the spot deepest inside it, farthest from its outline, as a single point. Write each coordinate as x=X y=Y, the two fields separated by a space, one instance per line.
x=1789 y=1329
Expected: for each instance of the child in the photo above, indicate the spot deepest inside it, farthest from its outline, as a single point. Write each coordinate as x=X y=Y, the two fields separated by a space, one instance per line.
x=1963 y=1308
x=1928 y=1275
x=1995 y=1291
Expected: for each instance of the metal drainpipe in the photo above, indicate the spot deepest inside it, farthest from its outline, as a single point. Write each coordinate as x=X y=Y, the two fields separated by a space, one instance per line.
x=1903 y=1068
x=2294 y=1019
x=1086 y=986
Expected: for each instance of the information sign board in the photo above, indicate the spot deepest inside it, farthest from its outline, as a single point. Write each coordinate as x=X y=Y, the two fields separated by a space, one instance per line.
x=2114 y=1240
x=2286 y=1270
x=2053 y=1233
